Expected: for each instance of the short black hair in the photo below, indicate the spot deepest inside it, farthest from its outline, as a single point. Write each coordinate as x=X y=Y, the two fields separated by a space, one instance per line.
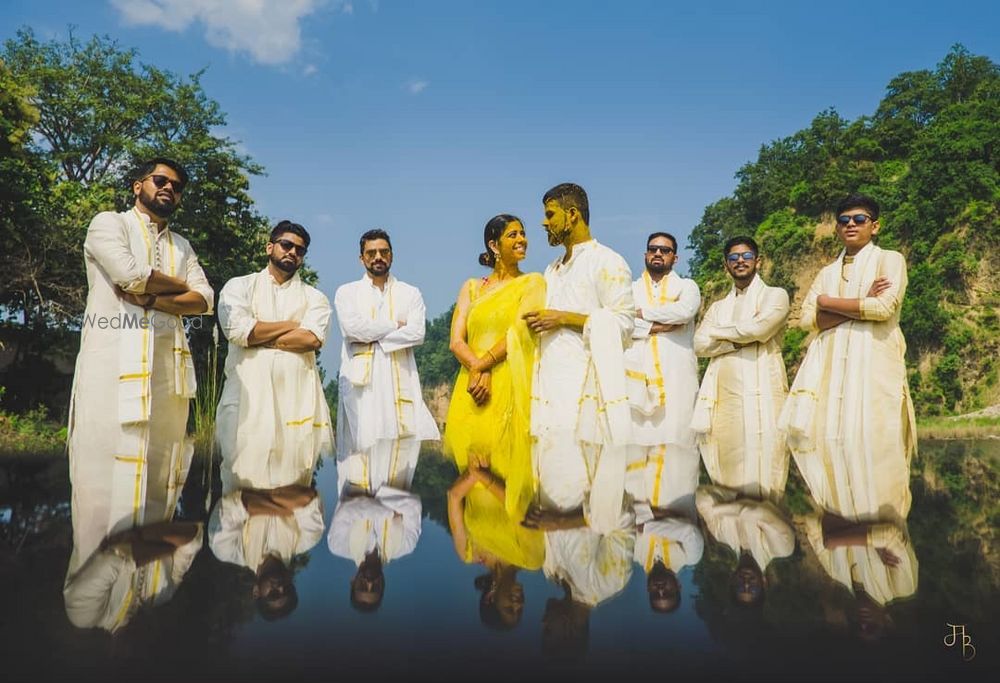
x=740 y=239
x=673 y=240
x=148 y=166
x=374 y=234
x=570 y=195
x=854 y=200
x=287 y=226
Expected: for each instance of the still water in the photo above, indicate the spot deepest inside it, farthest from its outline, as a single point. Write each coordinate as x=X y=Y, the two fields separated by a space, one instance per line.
x=429 y=624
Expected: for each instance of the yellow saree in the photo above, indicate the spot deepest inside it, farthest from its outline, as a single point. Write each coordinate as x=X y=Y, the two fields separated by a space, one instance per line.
x=500 y=428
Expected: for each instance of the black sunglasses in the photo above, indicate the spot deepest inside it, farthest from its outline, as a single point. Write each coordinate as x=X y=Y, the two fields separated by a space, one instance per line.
x=657 y=248
x=858 y=218
x=162 y=181
x=289 y=245
x=745 y=255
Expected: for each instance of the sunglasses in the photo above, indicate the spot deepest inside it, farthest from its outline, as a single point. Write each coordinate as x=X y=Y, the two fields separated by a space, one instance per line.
x=858 y=218
x=745 y=255
x=290 y=246
x=162 y=181
x=657 y=248
x=372 y=253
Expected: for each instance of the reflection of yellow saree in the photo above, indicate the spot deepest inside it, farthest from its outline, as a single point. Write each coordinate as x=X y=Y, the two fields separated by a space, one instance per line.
x=492 y=531
x=499 y=429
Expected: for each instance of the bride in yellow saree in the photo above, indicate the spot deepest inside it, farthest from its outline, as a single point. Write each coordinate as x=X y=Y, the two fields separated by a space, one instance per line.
x=487 y=426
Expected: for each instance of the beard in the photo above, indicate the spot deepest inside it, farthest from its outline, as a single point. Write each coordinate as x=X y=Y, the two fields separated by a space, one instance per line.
x=377 y=269
x=658 y=268
x=557 y=237
x=289 y=266
x=161 y=207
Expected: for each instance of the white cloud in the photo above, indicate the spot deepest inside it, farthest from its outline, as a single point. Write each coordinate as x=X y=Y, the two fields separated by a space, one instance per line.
x=415 y=86
x=310 y=70
x=268 y=30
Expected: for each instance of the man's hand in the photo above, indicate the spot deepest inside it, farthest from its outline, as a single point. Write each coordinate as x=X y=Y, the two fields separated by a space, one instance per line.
x=543 y=321
x=880 y=285
x=659 y=328
x=142 y=300
x=888 y=558
x=551 y=520
x=479 y=386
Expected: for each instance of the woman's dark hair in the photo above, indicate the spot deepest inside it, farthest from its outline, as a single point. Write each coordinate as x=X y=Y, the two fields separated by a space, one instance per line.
x=489 y=613
x=491 y=233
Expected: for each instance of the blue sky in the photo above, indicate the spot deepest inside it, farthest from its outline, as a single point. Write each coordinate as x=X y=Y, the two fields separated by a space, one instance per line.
x=427 y=118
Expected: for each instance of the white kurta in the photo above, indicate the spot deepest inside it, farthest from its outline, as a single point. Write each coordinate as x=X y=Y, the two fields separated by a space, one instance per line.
x=388 y=521
x=381 y=416
x=849 y=417
x=237 y=537
x=579 y=406
x=663 y=365
x=861 y=567
x=743 y=390
x=596 y=566
x=675 y=542
x=745 y=524
x=134 y=377
x=273 y=422
x=109 y=589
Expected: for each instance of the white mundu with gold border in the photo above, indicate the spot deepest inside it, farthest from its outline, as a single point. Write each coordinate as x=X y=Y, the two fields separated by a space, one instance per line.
x=743 y=390
x=381 y=416
x=579 y=405
x=272 y=422
x=128 y=456
x=849 y=417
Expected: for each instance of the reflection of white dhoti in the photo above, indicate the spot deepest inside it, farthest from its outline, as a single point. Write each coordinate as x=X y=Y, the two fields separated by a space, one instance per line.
x=389 y=462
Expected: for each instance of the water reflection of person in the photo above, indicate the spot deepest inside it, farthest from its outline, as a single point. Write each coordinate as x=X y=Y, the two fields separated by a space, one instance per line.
x=484 y=532
x=372 y=528
x=131 y=569
x=874 y=561
x=263 y=530
x=755 y=530
x=668 y=537
x=591 y=568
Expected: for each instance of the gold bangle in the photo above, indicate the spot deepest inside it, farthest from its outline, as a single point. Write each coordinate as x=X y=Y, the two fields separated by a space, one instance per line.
x=495 y=360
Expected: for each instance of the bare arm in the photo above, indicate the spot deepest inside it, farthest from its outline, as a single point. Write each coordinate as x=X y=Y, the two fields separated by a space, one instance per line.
x=266 y=333
x=161 y=283
x=299 y=340
x=456 y=511
x=187 y=303
x=549 y=319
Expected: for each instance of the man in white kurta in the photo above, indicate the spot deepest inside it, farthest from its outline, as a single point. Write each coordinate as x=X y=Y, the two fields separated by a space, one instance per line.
x=142 y=567
x=745 y=524
x=128 y=456
x=579 y=407
x=264 y=530
x=745 y=385
x=273 y=422
x=372 y=529
x=663 y=378
x=849 y=417
x=381 y=414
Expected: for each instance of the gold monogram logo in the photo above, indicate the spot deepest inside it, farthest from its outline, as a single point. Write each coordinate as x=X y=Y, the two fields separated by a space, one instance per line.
x=950 y=640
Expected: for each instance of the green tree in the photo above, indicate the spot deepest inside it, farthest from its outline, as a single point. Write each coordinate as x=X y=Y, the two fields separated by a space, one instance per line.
x=90 y=111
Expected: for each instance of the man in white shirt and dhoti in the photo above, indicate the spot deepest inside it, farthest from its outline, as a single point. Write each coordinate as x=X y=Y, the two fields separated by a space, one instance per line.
x=381 y=414
x=372 y=529
x=264 y=530
x=134 y=376
x=744 y=388
x=662 y=378
x=273 y=422
x=849 y=417
x=579 y=408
